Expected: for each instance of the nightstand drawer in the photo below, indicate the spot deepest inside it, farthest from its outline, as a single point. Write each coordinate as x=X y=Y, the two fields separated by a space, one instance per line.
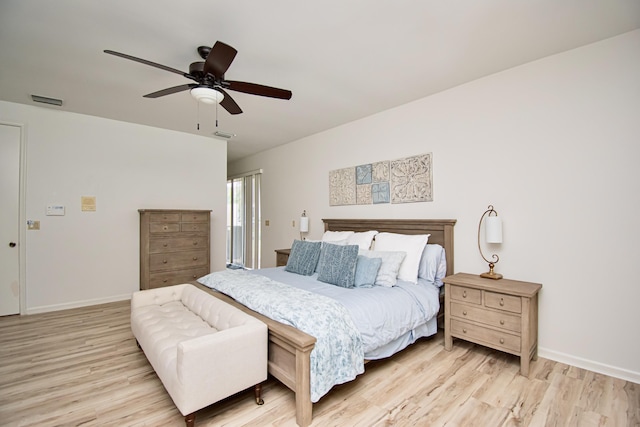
x=503 y=302
x=482 y=335
x=506 y=321
x=473 y=296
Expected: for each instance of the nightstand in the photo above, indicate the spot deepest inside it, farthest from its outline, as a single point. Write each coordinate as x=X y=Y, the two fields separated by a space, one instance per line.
x=282 y=256
x=500 y=314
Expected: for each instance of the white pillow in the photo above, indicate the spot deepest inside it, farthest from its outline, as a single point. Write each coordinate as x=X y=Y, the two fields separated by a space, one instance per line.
x=413 y=245
x=333 y=236
x=388 y=272
x=362 y=239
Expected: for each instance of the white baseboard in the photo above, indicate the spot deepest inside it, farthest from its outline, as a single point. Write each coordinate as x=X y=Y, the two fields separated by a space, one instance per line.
x=77 y=304
x=601 y=368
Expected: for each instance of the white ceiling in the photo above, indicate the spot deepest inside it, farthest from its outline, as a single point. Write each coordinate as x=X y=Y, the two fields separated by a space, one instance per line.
x=342 y=59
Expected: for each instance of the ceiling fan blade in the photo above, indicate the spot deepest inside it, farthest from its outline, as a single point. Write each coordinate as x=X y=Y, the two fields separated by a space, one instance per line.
x=228 y=103
x=170 y=90
x=219 y=59
x=153 y=64
x=256 y=89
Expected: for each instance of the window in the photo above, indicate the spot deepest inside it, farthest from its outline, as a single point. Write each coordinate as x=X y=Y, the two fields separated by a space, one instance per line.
x=243 y=220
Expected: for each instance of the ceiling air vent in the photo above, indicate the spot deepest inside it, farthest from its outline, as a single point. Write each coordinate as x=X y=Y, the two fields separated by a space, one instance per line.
x=45 y=100
x=224 y=135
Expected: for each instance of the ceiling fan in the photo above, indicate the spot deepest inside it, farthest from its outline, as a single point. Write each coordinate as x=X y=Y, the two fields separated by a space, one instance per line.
x=210 y=85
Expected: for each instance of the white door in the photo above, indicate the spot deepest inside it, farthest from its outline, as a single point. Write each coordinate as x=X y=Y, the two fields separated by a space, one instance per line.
x=9 y=219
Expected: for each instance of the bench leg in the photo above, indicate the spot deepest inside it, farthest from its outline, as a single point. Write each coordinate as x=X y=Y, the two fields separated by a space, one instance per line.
x=190 y=420
x=258 y=394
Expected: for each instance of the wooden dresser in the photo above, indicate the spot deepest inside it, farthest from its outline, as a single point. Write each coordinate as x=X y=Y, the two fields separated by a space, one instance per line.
x=174 y=246
x=501 y=314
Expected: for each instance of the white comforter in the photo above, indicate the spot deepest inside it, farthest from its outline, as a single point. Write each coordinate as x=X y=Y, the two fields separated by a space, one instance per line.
x=382 y=315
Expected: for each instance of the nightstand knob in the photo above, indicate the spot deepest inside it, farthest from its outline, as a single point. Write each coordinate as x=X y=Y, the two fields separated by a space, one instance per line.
x=502 y=322
x=464 y=313
x=164 y=245
x=464 y=294
x=164 y=261
x=464 y=330
x=501 y=301
x=501 y=340
x=195 y=243
x=195 y=258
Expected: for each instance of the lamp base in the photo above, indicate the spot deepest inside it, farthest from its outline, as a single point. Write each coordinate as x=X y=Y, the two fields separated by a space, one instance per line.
x=491 y=275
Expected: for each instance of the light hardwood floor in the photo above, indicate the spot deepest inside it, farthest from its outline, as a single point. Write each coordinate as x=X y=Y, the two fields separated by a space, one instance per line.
x=82 y=367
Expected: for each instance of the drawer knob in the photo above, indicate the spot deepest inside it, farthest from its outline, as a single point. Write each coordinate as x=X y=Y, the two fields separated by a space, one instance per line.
x=164 y=261
x=165 y=281
x=195 y=243
x=501 y=301
x=165 y=245
x=195 y=258
x=464 y=313
x=165 y=228
x=464 y=330
x=502 y=322
x=501 y=340
x=195 y=276
x=464 y=294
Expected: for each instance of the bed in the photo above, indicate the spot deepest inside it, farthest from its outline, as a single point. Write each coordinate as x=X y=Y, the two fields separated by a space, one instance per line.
x=291 y=359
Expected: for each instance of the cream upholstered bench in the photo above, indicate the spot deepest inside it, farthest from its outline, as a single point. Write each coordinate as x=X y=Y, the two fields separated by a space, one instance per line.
x=201 y=348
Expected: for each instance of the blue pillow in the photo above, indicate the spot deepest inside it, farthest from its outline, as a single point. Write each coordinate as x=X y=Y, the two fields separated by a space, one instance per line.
x=303 y=257
x=338 y=264
x=366 y=271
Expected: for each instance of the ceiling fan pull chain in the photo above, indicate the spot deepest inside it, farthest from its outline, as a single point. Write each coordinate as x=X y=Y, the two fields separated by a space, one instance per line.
x=198 y=103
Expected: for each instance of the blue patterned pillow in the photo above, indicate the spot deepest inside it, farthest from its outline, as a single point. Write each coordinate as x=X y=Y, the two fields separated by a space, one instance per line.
x=338 y=264
x=366 y=271
x=303 y=257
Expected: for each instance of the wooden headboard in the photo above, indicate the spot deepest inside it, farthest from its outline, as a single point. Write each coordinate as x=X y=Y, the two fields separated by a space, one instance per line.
x=441 y=230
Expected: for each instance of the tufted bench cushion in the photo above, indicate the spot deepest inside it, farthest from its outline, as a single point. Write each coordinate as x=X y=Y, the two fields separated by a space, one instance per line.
x=201 y=348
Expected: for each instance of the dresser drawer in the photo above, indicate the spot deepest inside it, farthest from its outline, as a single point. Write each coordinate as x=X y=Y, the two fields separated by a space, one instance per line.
x=177 y=244
x=482 y=335
x=164 y=227
x=503 y=302
x=158 y=280
x=164 y=217
x=195 y=216
x=509 y=322
x=195 y=226
x=177 y=260
x=461 y=293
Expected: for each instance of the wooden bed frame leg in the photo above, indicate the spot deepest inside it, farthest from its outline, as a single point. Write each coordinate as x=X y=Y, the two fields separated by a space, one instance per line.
x=258 y=393
x=190 y=420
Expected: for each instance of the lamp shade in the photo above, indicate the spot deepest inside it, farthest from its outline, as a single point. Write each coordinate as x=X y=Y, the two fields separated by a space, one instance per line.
x=304 y=224
x=493 y=229
x=207 y=95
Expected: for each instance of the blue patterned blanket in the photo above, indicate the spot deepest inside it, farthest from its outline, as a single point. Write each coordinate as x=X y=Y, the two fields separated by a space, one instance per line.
x=338 y=355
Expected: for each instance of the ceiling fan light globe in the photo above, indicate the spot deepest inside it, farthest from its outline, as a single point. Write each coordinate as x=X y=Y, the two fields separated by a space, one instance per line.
x=207 y=95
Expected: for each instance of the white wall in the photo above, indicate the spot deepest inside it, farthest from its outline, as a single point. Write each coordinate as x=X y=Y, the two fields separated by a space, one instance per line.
x=84 y=258
x=553 y=145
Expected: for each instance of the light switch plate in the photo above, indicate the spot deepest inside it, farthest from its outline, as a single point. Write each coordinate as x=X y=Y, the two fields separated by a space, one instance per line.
x=55 y=210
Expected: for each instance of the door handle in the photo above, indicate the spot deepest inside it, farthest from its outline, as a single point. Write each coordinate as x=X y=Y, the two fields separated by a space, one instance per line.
x=12 y=244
